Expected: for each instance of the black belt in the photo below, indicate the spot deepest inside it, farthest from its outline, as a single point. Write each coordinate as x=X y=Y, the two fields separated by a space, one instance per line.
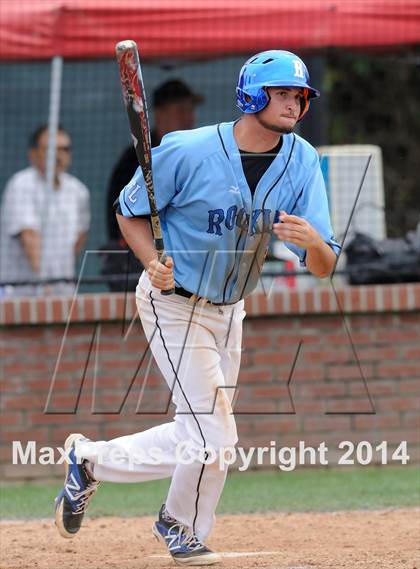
x=187 y=294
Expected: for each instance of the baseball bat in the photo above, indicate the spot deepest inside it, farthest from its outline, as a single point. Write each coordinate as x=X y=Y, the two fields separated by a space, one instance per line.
x=134 y=97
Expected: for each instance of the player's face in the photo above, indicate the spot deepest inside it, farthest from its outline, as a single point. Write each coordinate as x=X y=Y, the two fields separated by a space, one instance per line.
x=283 y=109
x=179 y=115
x=38 y=155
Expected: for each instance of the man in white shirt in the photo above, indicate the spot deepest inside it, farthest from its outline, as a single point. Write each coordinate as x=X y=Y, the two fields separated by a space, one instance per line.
x=42 y=230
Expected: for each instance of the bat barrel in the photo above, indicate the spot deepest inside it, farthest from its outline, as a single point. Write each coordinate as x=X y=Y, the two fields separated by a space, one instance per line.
x=136 y=107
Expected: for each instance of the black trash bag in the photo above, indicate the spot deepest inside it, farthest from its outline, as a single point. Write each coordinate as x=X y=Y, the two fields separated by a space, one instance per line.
x=372 y=261
x=120 y=265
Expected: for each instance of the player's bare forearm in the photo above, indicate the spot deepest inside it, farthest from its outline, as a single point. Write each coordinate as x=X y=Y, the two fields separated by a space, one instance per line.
x=320 y=258
x=138 y=235
x=31 y=243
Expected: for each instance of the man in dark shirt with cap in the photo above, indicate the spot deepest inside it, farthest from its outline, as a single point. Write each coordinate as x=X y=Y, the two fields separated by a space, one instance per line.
x=174 y=105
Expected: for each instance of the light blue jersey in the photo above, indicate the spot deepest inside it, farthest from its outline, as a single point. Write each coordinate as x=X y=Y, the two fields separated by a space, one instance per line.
x=216 y=232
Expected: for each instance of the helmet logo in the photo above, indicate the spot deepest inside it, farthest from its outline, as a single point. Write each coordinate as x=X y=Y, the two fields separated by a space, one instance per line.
x=299 y=70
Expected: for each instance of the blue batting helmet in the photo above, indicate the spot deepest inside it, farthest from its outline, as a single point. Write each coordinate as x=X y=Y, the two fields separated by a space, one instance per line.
x=273 y=68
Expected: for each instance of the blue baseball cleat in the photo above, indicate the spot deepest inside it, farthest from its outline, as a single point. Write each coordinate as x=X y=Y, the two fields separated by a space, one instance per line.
x=79 y=487
x=182 y=544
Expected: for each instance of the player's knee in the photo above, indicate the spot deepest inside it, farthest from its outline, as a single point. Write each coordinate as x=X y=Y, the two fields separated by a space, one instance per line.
x=224 y=435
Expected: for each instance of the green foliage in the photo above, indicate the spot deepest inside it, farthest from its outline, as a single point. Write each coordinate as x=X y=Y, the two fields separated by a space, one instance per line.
x=374 y=100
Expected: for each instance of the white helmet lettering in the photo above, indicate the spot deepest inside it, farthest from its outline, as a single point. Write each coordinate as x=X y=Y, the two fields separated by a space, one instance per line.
x=299 y=71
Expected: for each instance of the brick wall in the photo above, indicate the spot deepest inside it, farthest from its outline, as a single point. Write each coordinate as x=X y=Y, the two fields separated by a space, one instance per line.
x=317 y=366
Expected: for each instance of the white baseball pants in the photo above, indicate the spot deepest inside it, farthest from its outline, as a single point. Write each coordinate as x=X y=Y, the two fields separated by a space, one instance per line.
x=198 y=349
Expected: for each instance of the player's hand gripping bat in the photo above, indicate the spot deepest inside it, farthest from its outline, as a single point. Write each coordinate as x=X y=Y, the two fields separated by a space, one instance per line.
x=135 y=103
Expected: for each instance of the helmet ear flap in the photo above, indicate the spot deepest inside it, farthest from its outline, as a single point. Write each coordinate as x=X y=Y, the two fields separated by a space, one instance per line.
x=251 y=101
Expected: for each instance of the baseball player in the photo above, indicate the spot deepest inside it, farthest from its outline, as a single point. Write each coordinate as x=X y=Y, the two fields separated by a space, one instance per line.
x=222 y=192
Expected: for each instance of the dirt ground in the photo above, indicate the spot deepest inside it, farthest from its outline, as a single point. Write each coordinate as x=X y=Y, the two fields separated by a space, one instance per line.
x=350 y=540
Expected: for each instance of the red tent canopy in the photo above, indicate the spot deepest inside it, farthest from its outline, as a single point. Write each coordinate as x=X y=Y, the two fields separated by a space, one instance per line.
x=37 y=29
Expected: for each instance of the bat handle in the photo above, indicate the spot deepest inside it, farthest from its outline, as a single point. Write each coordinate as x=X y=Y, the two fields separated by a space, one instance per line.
x=168 y=291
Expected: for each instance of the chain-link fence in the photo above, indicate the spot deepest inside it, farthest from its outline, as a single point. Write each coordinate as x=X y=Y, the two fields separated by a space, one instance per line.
x=358 y=91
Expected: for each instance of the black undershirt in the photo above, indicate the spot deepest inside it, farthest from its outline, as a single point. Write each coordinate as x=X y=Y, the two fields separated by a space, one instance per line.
x=255 y=164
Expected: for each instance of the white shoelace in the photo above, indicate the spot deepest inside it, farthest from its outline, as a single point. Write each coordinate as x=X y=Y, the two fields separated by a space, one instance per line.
x=189 y=540
x=85 y=496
